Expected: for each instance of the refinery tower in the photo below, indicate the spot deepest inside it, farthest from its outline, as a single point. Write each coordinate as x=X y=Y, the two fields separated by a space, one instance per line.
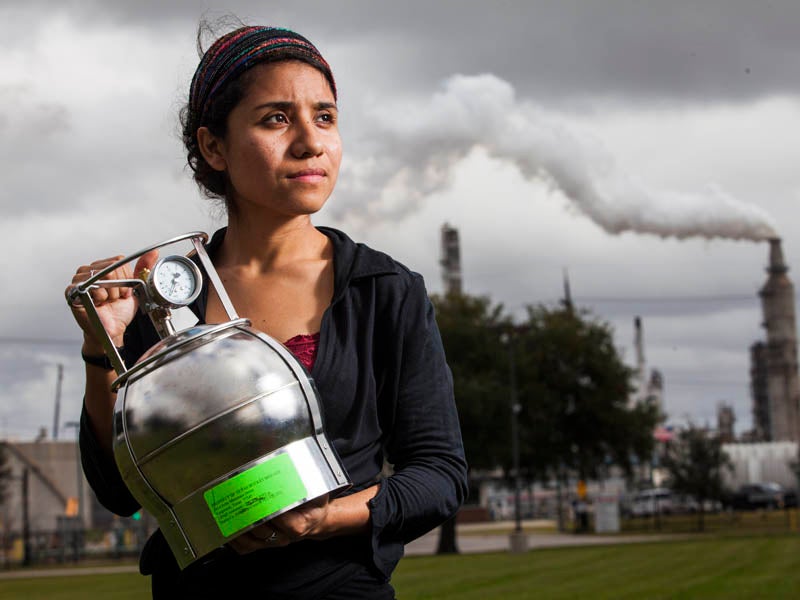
x=774 y=369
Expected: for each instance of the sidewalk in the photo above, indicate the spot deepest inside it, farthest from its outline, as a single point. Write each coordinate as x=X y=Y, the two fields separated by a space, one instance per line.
x=67 y=571
x=497 y=538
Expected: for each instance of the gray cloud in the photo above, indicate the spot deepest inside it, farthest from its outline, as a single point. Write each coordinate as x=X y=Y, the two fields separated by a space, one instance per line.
x=661 y=52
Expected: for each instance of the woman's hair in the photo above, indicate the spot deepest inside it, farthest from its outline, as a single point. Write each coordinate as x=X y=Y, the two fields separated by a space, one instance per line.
x=221 y=81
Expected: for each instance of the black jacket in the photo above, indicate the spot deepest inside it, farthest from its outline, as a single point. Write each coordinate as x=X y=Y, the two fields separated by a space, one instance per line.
x=386 y=391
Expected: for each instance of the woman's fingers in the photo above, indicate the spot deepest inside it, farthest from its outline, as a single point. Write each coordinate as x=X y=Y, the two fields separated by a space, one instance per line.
x=110 y=294
x=146 y=261
x=115 y=305
x=104 y=295
x=258 y=538
x=83 y=273
x=303 y=521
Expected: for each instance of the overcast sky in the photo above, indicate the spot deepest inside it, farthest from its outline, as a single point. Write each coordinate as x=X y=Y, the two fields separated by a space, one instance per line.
x=645 y=148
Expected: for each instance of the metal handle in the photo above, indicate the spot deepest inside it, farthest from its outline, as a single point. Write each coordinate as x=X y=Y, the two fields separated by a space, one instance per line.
x=81 y=293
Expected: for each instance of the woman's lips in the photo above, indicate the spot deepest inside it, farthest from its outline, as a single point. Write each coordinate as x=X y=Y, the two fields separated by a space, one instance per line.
x=308 y=175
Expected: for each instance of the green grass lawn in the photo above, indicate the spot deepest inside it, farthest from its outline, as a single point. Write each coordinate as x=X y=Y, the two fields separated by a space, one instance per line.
x=744 y=567
x=760 y=566
x=122 y=586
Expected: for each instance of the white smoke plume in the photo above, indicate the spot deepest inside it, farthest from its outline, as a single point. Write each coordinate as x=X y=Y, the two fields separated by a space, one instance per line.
x=413 y=147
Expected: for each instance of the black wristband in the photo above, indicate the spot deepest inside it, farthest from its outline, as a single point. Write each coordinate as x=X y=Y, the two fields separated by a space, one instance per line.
x=99 y=361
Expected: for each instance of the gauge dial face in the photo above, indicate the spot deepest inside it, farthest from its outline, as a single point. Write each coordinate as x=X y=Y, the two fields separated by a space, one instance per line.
x=176 y=280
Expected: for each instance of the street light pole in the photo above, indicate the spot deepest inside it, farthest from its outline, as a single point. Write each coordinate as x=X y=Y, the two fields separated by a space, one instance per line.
x=26 y=521
x=519 y=541
x=515 y=408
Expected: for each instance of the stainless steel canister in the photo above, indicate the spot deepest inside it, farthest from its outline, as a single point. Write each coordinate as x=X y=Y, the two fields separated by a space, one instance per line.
x=217 y=429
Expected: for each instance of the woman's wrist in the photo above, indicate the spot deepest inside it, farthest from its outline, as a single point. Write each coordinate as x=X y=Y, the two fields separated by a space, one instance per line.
x=93 y=353
x=348 y=515
x=102 y=361
x=93 y=347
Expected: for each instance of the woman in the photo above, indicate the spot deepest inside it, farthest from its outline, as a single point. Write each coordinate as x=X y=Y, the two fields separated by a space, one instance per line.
x=261 y=133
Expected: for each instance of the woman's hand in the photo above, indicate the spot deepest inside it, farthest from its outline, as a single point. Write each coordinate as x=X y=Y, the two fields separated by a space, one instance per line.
x=315 y=520
x=116 y=306
x=304 y=522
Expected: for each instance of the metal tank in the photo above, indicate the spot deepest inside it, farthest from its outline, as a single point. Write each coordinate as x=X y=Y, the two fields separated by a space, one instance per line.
x=217 y=428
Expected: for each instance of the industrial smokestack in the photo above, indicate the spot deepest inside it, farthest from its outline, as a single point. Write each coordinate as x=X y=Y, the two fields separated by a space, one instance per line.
x=451 y=260
x=639 y=341
x=641 y=367
x=776 y=262
x=777 y=297
x=783 y=383
x=567 y=293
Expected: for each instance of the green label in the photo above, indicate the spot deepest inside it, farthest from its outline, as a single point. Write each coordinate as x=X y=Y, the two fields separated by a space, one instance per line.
x=254 y=494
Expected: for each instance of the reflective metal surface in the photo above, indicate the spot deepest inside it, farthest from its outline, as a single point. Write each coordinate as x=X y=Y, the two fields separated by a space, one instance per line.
x=217 y=429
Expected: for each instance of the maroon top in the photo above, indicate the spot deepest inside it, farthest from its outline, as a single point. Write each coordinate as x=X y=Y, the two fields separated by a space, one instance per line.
x=304 y=347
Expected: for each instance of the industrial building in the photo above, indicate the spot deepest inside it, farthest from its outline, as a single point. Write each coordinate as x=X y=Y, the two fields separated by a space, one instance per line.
x=771 y=451
x=726 y=421
x=45 y=476
x=761 y=462
x=49 y=508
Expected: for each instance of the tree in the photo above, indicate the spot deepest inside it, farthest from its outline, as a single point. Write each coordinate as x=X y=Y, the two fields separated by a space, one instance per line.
x=469 y=327
x=5 y=472
x=574 y=391
x=695 y=462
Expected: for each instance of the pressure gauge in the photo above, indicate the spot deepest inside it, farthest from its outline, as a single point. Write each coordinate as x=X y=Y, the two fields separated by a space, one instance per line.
x=175 y=281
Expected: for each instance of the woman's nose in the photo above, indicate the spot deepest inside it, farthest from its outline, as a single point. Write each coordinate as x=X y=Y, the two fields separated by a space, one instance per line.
x=307 y=141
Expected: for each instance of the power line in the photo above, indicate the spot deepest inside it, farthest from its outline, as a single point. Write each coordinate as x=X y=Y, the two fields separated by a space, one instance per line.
x=703 y=383
x=668 y=299
x=584 y=301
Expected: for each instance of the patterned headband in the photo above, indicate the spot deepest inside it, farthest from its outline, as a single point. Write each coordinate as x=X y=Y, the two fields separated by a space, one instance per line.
x=234 y=53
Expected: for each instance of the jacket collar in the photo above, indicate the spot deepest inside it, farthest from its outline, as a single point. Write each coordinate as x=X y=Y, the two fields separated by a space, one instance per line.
x=353 y=261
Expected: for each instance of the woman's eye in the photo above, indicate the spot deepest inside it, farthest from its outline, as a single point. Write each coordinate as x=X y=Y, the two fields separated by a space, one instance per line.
x=327 y=118
x=276 y=118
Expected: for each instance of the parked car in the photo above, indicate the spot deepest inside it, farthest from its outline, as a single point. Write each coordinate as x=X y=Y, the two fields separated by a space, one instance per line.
x=752 y=496
x=650 y=502
x=664 y=501
x=687 y=504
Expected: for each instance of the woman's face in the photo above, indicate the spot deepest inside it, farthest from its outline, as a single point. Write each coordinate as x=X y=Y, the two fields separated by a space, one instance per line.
x=282 y=148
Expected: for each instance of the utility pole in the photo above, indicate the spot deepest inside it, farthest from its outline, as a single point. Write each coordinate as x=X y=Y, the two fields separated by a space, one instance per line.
x=56 y=415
